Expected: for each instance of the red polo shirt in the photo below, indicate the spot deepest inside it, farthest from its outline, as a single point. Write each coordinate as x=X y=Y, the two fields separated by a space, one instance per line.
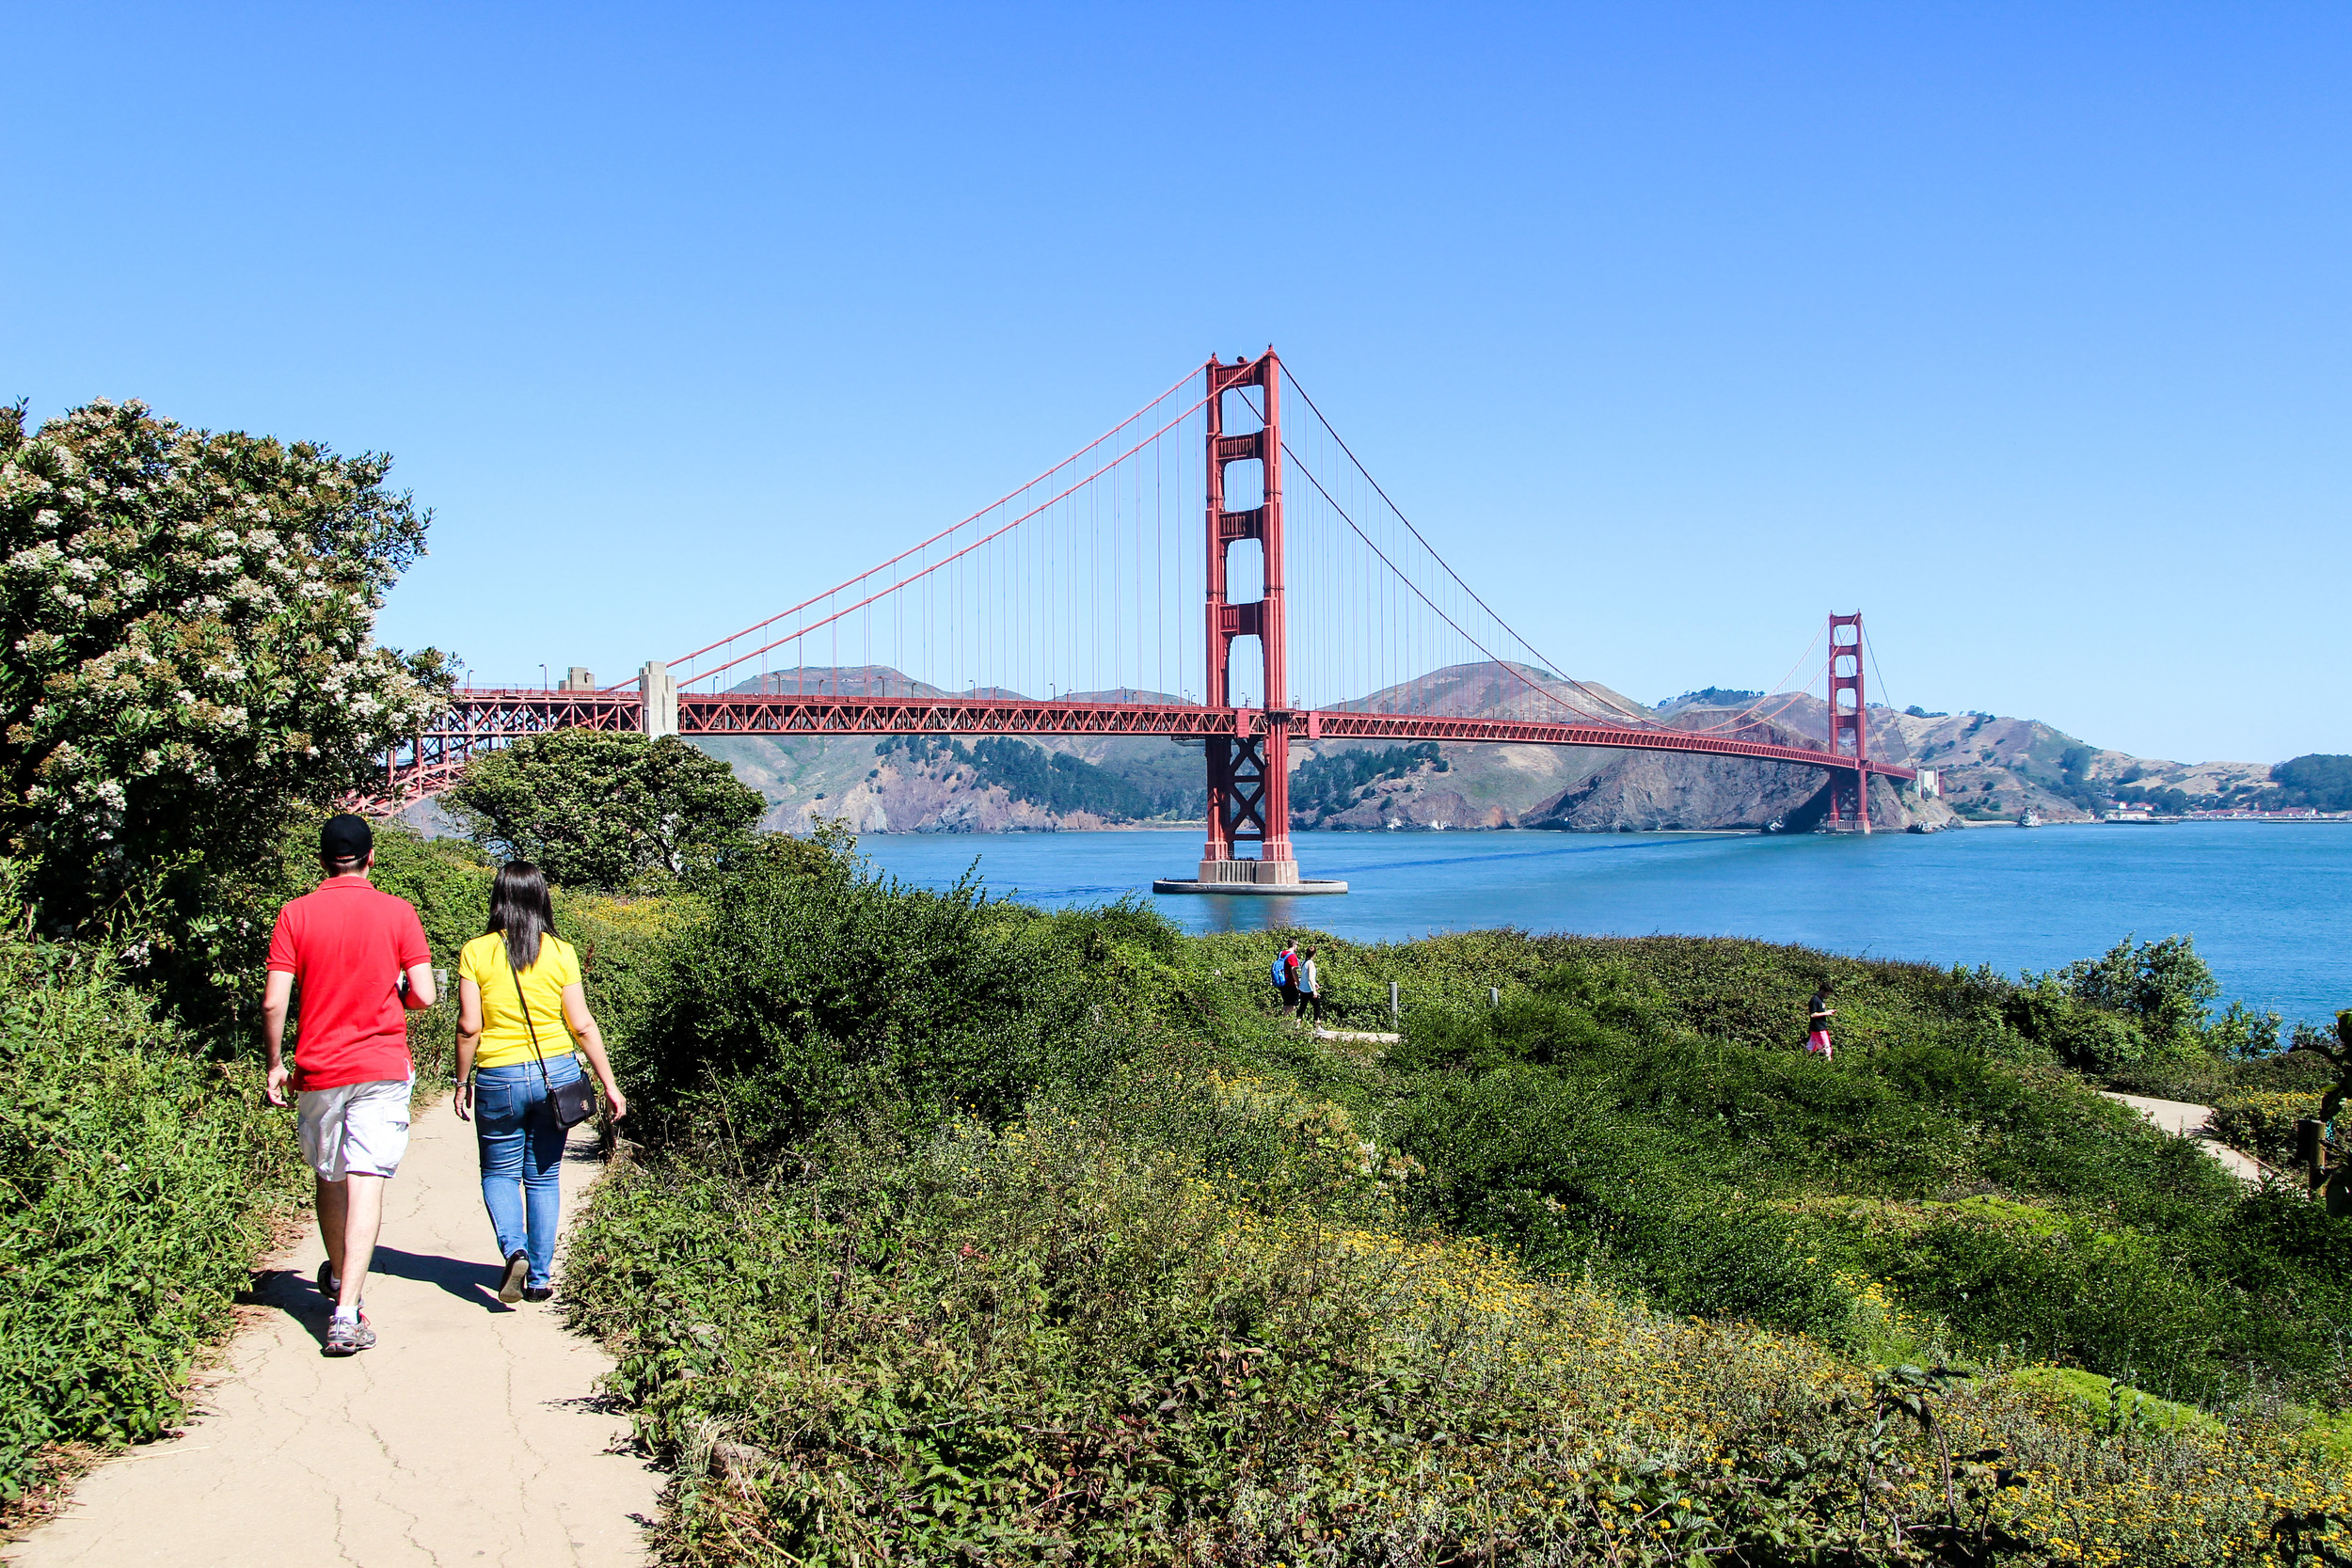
x=346 y=944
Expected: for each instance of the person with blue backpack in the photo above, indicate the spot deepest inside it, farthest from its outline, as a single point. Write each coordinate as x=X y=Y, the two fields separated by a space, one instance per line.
x=1285 y=974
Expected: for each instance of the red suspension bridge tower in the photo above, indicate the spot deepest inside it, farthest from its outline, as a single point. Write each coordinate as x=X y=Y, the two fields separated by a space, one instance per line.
x=1248 y=774
x=1849 y=724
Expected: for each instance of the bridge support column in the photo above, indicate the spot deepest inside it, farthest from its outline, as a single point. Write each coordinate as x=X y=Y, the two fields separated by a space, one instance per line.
x=658 y=689
x=1849 y=724
x=1248 y=774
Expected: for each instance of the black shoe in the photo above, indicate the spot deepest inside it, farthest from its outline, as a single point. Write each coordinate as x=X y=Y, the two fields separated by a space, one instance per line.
x=517 y=1270
x=539 y=1292
x=330 y=1287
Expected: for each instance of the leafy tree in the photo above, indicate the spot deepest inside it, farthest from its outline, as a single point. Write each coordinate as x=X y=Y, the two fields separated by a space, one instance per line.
x=1055 y=780
x=600 y=810
x=1323 y=785
x=2164 y=986
x=187 y=617
x=2321 y=781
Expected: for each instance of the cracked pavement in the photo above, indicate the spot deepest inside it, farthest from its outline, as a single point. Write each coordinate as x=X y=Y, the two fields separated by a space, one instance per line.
x=469 y=1435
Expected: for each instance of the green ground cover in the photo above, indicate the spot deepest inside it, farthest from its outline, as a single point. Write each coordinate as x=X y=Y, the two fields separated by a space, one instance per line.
x=139 y=1175
x=964 y=1231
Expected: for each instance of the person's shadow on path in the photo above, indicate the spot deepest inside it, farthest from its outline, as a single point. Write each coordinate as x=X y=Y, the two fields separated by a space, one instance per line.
x=476 y=1283
x=296 y=1294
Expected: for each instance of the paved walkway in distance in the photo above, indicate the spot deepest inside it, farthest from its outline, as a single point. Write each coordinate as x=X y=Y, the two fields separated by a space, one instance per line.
x=2185 y=1120
x=468 y=1435
x=1356 y=1036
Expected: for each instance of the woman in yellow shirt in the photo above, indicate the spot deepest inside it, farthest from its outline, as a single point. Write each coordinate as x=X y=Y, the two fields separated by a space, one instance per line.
x=515 y=981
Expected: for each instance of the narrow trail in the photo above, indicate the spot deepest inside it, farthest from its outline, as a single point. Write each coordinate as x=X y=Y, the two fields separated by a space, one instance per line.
x=468 y=1435
x=2185 y=1120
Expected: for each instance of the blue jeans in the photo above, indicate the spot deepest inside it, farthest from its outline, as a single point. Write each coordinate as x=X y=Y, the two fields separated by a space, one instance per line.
x=522 y=1157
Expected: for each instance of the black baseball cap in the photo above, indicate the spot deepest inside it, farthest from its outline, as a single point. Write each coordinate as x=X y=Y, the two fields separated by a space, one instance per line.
x=346 y=837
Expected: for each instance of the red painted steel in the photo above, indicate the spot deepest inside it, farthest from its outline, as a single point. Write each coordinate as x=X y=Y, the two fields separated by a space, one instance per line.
x=797 y=715
x=1849 y=722
x=481 y=719
x=485 y=718
x=1248 y=776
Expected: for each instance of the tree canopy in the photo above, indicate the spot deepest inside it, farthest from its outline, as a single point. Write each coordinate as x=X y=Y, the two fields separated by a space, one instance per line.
x=2318 y=780
x=188 y=620
x=599 y=810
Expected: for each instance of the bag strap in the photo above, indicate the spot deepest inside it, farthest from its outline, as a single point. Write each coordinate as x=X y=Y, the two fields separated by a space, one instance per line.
x=525 y=1005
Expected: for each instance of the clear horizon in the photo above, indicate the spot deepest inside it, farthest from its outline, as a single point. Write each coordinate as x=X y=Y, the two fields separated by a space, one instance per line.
x=2021 y=331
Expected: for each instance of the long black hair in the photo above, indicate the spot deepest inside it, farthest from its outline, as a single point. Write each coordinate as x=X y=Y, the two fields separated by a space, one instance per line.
x=520 y=909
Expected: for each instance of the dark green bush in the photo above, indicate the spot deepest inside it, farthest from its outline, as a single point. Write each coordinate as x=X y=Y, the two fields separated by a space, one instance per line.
x=1544 y=1165
x=817 y=990
x=1583 y=1124
x=136 y=1181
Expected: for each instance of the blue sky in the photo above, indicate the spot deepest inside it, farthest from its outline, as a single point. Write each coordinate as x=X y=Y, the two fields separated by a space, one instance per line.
x=2022 y=327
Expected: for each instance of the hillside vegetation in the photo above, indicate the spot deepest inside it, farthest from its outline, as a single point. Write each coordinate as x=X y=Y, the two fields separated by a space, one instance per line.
x=964 y=1231
x=139 y=1175
x=1992 y=767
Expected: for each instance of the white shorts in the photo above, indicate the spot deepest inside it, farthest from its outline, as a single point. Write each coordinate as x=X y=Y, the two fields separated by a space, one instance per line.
x=356 y=1127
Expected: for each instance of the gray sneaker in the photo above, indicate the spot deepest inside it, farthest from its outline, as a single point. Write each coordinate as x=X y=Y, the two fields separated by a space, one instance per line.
x=349 y=1339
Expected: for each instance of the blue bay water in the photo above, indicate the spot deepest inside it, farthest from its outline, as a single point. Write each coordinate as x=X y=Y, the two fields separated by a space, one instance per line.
x=2264 y=901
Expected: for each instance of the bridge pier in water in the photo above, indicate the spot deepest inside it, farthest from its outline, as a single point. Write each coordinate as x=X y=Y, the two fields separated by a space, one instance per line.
x=1250 y=794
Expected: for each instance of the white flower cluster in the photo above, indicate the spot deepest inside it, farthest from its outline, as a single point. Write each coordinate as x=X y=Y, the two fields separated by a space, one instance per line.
x=176 y=632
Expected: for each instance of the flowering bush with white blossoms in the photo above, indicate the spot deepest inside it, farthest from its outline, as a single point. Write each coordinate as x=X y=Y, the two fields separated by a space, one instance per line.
x=187 y=620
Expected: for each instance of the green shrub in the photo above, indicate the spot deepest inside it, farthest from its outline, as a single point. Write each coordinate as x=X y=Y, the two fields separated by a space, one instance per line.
x=136 y=1182
x=1055 y=1342
x=973 y=1313
x=818 y=990
x=1541 y=1166
x=2261 y=1122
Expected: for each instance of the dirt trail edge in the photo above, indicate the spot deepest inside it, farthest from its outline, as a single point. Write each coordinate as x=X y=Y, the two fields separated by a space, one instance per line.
x=2185 y=1120
x=467 y=1436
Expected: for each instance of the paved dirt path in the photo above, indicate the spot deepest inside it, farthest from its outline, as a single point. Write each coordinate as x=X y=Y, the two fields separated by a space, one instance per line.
x=2185 y=1120
x=467 y=1436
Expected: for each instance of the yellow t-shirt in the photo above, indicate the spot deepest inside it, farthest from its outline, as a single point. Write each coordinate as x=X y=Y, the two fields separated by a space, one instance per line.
x=505 y=1038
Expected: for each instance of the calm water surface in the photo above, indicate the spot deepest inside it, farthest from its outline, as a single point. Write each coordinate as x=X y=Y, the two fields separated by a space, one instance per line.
x=2264 y=901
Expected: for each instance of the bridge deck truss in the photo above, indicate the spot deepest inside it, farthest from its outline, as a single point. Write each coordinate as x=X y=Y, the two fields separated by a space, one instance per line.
x=480 y=720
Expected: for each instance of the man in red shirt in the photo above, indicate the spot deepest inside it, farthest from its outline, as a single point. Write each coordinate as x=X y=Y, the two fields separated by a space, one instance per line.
x=360 y=959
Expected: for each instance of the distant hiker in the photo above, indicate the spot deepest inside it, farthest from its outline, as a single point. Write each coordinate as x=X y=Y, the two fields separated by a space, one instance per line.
x=1817 y=1041
x=1286 y=976
x=519 y=1008
x=1310 y=986
x=360 y=959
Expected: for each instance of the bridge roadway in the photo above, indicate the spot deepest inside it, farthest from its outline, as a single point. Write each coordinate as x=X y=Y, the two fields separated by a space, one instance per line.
x=483 y=718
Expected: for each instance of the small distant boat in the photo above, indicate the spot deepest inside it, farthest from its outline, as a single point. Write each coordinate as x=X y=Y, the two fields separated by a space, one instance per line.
x=2030 y=820
x=1777 y=825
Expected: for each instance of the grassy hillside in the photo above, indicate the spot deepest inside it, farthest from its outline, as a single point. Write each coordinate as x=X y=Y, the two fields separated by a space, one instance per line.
x=968 y=1232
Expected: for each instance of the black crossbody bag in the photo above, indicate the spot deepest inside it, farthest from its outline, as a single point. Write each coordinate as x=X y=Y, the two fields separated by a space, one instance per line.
x=575 y=1102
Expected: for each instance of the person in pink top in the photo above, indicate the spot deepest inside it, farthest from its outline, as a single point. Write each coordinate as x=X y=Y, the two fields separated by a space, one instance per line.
x=360 y=958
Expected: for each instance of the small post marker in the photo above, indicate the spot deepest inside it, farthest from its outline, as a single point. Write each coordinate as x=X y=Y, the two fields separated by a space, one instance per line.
x=1395 y=1013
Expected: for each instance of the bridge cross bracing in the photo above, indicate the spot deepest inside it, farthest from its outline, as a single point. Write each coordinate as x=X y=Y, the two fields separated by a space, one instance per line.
x=1218 y=569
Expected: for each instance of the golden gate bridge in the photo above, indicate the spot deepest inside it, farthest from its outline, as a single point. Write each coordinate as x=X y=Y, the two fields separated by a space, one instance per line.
x=1090 y=580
